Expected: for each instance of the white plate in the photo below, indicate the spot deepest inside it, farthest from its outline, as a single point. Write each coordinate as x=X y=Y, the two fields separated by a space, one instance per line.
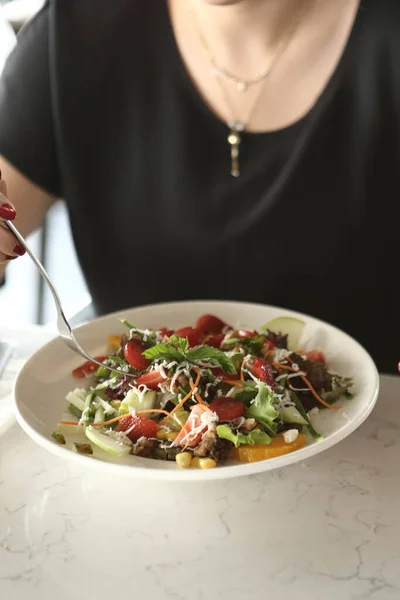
x=43 y=383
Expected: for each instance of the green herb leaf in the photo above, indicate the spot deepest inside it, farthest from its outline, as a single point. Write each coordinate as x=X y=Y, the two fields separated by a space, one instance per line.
x=177 y=348
x=181 y=343
x=209 y=374
x=164 y=351
x=149 y=338
x=254 y=437
x=213 y=356
x=116 y=359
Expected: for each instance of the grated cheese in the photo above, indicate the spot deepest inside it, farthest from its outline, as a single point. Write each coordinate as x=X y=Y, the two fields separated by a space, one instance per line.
x=290 y=436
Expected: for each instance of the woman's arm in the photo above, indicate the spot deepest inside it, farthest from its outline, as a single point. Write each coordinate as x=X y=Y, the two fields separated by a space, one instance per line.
x=30 y=203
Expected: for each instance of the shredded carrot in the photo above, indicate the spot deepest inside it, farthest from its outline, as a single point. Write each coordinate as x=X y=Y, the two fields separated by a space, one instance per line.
x=197 y=395
x=235 y=383
x=182 y=402
x=152 y=410
x=314 y=393
x=194 y=386
x=69 y=423
x=177 y=407
x=242 y=372
x=279 y=366
x=110 y=421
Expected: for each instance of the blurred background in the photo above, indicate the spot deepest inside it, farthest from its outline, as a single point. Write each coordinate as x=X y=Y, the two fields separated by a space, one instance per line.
x=23 y=298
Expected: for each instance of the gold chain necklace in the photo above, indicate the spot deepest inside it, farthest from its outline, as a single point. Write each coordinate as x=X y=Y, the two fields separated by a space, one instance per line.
x=236 y=126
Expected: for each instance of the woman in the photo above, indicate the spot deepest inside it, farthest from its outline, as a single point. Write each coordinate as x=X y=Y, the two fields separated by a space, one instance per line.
x=235 y=149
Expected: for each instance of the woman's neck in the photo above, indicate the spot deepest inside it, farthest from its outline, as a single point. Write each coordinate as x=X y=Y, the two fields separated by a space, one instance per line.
x=245 y=33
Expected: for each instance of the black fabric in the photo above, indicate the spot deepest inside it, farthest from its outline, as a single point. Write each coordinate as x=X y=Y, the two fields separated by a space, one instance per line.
x=97 y=108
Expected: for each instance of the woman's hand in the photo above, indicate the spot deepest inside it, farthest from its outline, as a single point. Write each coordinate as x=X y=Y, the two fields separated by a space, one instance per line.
x=10 y=248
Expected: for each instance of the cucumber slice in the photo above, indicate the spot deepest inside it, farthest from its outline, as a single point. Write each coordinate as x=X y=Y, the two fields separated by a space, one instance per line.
x=77 y=398
x=73 y=411
x=105 y=442
x=68 y=430
x=290 y=414
x=289 y=326
x=99 y=415
x=138 y=401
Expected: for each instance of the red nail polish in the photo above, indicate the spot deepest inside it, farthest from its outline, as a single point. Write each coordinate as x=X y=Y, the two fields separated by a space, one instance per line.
x=7 y=212
x=11 y=257
x=1 y=174
x=19 y=249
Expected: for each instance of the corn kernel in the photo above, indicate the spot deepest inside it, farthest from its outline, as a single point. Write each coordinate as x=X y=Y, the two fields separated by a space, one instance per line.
x=161 y=434
x=116 y=403
x=114 y=341
x=183 y=459
x=195 y=462
x=171 y=436
x=207 y=463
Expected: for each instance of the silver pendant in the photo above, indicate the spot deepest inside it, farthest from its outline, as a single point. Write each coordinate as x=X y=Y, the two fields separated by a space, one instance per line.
x=234 y=140
x=242 y=86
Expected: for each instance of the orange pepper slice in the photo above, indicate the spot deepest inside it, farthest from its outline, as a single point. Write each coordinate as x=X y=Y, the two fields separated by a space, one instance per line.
x=277 y=447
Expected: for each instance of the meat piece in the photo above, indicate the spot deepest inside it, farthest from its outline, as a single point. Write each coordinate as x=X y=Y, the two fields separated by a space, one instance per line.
x=145 y=447
x=207 y=444
x=222 y=450
x=249 y=425
x=183 y=381
x=123 y=340
x=163 y=453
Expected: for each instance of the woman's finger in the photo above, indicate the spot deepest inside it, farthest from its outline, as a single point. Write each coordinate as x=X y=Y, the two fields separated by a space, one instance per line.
x=10 y=248
x=7 y=211
x=3 y=185
x=9 y=245
x=4 y=258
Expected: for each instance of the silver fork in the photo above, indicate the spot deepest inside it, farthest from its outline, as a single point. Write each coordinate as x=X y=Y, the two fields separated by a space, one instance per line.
x=63 y=326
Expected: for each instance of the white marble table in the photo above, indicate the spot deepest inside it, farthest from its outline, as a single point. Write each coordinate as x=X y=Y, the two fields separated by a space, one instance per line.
x=326 y=529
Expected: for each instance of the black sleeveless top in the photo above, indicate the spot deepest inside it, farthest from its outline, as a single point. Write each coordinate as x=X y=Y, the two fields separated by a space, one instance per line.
x=97 y=107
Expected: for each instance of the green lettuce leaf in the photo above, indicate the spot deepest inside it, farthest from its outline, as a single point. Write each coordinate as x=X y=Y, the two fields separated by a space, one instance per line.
x=246 y=393
x=254 y=437
x=262 y=409
x=252 y=345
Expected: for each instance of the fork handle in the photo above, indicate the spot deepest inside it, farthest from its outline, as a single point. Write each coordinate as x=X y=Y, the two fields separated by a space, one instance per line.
x=38 y=264
x=62 y=321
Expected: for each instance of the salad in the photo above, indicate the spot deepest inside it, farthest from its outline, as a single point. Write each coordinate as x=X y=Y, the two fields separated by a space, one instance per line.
x=202 y=395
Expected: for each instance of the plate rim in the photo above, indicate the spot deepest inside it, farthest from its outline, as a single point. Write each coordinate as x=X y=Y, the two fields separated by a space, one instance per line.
x=222 y=472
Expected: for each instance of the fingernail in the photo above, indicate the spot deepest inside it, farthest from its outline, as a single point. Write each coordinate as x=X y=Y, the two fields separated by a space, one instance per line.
x=11 y=257
x=19 y=249
x=7 y=212
x=1 y=174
